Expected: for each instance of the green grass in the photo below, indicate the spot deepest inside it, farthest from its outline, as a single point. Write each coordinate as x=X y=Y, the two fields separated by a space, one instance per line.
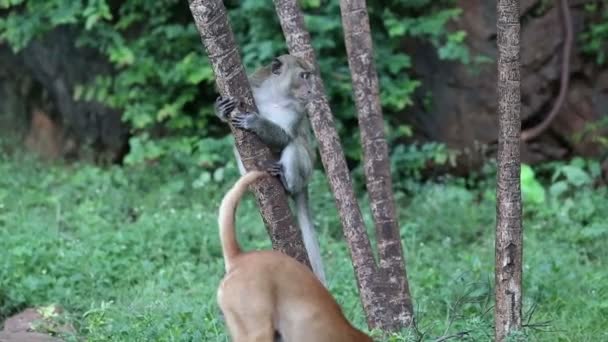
x=132 y=254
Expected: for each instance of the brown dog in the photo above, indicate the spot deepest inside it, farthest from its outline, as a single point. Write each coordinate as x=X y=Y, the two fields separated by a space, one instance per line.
x=264 y=292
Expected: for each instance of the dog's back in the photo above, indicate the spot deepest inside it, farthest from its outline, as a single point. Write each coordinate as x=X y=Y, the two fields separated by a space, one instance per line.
x=268 y=290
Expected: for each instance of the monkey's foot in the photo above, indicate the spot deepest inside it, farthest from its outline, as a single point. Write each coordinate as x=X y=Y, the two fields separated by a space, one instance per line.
x=225 y=106
x=276 y=169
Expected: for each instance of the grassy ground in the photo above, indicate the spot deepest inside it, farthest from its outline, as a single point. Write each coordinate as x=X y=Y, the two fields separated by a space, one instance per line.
x=132 y=254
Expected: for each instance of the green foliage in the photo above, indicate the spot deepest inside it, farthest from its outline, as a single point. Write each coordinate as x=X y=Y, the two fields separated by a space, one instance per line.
x=571 y=201
x=132 y=253
x=408 y=161
x=564 y=180
x=575 y=175
x=165 y=86
x=450 y=46
x=531 y=189
x=595 y=37
x=596 y=130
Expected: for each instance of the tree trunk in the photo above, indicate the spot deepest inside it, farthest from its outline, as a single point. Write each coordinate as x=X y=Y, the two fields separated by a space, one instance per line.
x=358 y=40
x=376 y=296
x=212 y=23
x=509 y=242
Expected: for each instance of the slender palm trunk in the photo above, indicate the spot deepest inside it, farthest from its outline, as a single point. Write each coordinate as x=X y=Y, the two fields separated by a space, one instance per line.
x=366 y=91
x=385 y=300
x=212 y=24
x=509 y=241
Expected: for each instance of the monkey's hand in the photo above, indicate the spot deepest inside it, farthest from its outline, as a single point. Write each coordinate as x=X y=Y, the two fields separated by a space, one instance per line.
x=224 y=106
x=244 y=121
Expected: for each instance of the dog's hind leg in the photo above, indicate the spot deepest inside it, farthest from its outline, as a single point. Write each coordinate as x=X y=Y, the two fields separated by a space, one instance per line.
x=248 y=314
x=252 y=327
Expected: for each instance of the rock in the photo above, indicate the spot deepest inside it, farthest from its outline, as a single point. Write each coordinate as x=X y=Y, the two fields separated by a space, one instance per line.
x=13 y=111
x=22 y=322
x=26 y=337
x=21 y=327
x=463 y=113
x=54 y=66
x=45 y=137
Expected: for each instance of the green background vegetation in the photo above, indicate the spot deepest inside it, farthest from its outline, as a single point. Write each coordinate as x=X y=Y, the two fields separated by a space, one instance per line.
x=165 y=85
x=132 y=252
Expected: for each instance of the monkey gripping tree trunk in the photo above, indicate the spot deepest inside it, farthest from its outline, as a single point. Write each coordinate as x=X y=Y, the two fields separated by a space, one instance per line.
x=509 y=241
x=212 y=24
x=385 y=300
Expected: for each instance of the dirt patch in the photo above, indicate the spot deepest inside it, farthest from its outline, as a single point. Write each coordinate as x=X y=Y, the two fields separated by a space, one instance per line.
x=35 y=325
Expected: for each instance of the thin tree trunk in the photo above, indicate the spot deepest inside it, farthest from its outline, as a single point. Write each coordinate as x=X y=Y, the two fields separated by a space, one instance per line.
x=358 y=40
x=334 y=162
x=509 y=242
x=213 y=26
x=371 y=281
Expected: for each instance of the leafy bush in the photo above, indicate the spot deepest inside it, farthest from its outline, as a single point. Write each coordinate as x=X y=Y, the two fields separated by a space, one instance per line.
x=164 y=84
x=595 y=37
x=407 y=161
x=532 y=191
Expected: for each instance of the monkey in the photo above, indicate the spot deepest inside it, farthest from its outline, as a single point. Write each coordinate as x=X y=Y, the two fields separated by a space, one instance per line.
x=281 y=90
x=261 y=304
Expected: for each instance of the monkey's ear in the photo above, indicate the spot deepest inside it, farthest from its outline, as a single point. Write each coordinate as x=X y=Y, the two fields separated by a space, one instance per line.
x=275 y=67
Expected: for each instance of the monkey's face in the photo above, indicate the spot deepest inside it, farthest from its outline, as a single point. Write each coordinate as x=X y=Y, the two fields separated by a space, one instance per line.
x=302 y=85
x=294 y=75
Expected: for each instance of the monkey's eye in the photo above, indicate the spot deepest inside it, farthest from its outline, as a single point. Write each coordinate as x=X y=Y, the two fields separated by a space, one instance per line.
x=275 y=67
x=305 y=75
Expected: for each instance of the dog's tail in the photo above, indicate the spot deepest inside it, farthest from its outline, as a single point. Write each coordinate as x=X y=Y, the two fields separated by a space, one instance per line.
x=230 y=245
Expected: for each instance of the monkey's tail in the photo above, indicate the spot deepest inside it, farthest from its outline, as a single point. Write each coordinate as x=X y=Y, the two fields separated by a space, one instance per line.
x=308 y=234
x=230 y=245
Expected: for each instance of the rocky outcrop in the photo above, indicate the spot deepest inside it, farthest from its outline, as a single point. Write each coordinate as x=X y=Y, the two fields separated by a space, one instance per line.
x=31 y=325
x=42 y=77
x=463 y=113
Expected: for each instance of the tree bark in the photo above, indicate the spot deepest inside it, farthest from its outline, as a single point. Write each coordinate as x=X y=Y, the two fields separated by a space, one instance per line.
x=371 y=282
x=509 y=242
x=366 y=91
x=217 y=37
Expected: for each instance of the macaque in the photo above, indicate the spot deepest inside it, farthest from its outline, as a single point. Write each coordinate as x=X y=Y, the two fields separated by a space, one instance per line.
x=280 y=91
